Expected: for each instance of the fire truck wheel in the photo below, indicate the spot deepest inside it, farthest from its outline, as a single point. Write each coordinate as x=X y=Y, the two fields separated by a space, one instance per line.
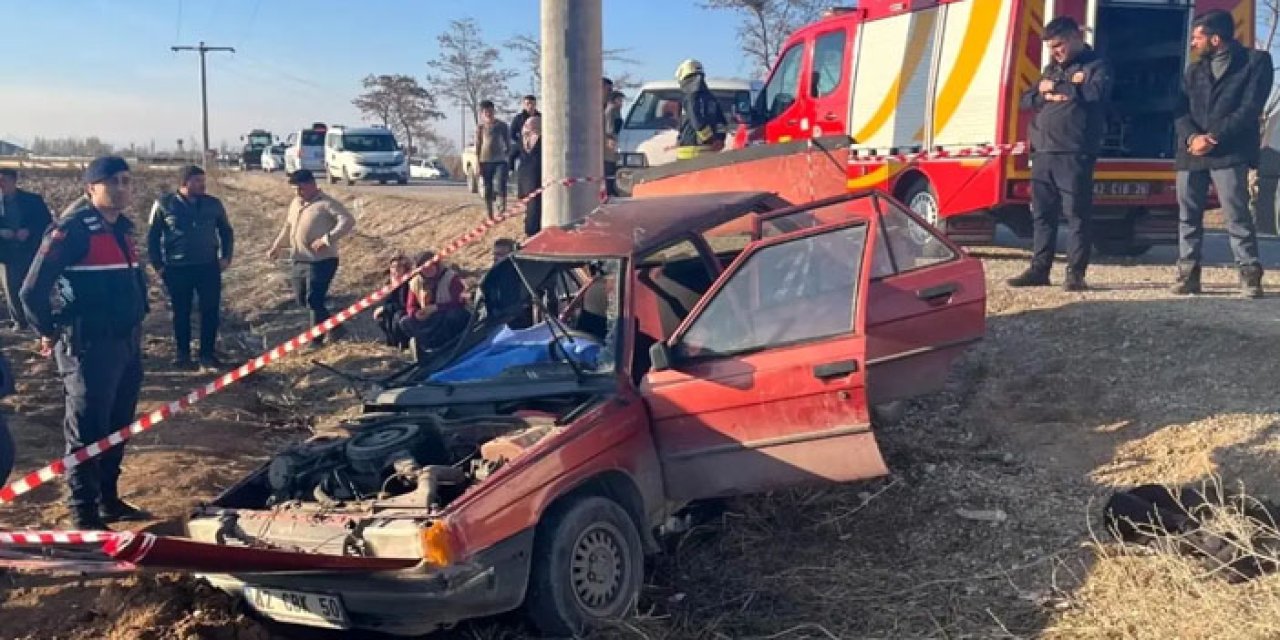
x=920 y=198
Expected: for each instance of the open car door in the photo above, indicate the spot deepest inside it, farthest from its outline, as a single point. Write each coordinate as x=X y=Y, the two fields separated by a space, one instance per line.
x=763 y=385
x=926 y=301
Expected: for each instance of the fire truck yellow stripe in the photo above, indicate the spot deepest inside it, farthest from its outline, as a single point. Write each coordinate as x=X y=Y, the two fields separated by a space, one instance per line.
x=922 y=25
x=979 y=34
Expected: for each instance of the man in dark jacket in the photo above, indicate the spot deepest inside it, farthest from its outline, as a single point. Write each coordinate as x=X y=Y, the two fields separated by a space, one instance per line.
x=1218 y=122
x=1070 y=102
x=529 y=108
x=703 y=125
x=95 y=334
x=190 y=244
x=24 y=216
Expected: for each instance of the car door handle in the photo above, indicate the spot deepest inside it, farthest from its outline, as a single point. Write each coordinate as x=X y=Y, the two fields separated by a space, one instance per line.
x=829 y=117
x=937 y=292
x=835 y=369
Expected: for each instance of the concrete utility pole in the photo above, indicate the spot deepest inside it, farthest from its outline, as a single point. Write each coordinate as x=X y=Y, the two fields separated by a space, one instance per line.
x=573 y=107
x=204 y=93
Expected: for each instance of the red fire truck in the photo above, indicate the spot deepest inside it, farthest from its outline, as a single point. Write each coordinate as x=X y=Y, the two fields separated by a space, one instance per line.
x=919 y=98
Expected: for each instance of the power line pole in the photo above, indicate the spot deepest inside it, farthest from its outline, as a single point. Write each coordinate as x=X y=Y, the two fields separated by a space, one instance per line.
x=204 y=93
x=573 y=126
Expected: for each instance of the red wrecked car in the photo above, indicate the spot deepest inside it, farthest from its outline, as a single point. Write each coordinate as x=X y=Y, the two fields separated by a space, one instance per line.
x=660 y=352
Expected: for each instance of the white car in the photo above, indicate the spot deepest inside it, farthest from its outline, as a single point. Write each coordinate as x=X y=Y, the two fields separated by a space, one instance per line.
x=654 y=117
x=304 y=149
x=426 y=169
x=364 y=153
x=273 y=158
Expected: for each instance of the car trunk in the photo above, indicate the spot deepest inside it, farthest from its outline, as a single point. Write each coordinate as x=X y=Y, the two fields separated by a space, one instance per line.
x=1146 y=46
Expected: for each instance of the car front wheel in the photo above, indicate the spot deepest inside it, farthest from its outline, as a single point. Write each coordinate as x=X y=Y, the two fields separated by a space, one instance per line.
x=588 y=567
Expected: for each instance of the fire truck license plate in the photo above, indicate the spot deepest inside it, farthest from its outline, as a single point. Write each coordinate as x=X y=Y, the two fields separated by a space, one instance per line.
x=312 y=609
x=1120 y=189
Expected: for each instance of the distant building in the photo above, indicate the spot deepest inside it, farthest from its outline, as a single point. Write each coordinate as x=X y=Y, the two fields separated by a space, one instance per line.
x=10 y=149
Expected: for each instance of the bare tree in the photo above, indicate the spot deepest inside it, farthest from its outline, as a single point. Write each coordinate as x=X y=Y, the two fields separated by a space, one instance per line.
x=529 y=49
x=402 y=105
x=469 y=70
x=767 y=23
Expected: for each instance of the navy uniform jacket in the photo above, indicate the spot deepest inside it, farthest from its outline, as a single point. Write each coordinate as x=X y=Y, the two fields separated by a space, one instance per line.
x=98 y=262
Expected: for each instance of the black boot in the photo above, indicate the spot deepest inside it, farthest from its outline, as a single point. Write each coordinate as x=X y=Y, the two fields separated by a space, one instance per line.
x=87 y=519
x=117 y=510
x=1074 y=282
x=1188 y=279
x=1251 y=281
x=1032 y=277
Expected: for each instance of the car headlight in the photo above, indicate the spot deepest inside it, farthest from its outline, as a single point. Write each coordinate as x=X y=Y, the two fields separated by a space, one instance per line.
x=636 y=160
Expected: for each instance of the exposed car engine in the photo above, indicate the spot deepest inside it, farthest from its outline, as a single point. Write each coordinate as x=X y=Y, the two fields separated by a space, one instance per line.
x=398 y=461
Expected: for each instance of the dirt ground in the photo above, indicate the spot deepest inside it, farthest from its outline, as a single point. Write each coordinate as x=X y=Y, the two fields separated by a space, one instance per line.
x=985 y=529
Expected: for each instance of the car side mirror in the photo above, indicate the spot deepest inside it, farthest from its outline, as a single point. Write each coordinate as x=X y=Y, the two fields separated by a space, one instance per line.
x=660 y=356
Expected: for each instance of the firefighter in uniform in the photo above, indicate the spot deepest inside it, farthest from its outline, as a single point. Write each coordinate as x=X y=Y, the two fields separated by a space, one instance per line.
x=703 y=125
x=1070 y=102
x=89 y=261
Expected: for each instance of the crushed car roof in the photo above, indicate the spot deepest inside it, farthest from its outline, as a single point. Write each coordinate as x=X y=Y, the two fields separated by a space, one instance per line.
x=632 y=226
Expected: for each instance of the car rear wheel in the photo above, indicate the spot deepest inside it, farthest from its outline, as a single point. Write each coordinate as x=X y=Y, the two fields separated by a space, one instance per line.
x=588 y=567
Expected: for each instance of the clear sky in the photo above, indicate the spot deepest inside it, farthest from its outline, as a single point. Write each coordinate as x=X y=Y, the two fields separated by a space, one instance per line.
x=103 y=67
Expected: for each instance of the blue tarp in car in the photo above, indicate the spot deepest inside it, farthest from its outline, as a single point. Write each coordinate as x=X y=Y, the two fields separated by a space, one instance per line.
x=508 y=348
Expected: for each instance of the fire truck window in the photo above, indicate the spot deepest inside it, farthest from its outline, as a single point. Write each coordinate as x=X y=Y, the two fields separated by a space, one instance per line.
x=784 y=85
x=828 y=61
x=913 y=245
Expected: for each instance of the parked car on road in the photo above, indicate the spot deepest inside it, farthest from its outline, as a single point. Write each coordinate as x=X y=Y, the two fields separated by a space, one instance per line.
x=273 y=158
x=364 y=153
x=662 y=352
x=427 y=169
x=654 y=117
x=304 y=149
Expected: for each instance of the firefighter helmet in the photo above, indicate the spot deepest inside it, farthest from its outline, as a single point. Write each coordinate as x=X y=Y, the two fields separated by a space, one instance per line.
x=688 y=68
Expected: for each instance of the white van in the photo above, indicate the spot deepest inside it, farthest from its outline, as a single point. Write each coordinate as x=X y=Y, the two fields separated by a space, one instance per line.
x=304 y=149
x=654 y=117
x=364 y=153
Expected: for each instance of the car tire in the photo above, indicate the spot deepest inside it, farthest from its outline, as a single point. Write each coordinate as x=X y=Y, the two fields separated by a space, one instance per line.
x=332 y=179
x=402 y=180
x=382 y=182
x=346 y=177
x=588 y=567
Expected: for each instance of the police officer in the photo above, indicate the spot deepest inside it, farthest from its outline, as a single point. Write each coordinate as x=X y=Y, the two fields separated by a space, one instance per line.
x=189 y=244
x=24 y=217
x=703 y=125
x=1070 y=102
x=95 y=334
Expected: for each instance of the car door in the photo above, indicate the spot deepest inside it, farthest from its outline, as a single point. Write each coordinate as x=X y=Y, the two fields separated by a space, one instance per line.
x=782 y=103
x=927 y=298
x=829 y=82
x=764 y=383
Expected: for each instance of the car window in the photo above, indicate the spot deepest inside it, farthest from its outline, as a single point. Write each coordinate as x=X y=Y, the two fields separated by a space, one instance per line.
x=730 y=238
x=911 y=245
x=784 y=85
x=683 y=250
x=796 y=291
x=363 y=143
x=313 y=138
x=660 y=109
x=828 y=61
x=858 y=207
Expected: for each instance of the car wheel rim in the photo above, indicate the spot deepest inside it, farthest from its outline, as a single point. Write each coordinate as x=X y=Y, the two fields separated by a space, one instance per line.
x=598 y=568
x=926 y=206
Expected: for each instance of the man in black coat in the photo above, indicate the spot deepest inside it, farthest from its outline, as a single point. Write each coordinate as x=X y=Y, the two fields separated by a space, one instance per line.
x=24 y=216
x=1070 y=101
x=1218 y=124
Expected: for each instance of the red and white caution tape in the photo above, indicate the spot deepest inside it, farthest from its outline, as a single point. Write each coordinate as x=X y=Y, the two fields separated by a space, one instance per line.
x=78 y=457
x=981 y=151
x=27 y=538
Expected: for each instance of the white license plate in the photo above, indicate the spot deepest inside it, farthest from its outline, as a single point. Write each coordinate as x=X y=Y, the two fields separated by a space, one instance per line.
x=1114 y=189
x=312 y=609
